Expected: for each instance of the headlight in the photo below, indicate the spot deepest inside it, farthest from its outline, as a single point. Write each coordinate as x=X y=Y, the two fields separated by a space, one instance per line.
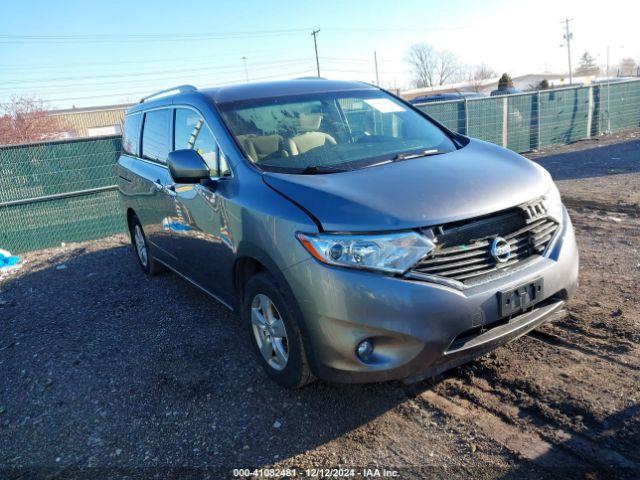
x=554 y=203
x=392 y=253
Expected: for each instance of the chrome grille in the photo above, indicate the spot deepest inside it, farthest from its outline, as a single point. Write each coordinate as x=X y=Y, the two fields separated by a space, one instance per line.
x=463 y=251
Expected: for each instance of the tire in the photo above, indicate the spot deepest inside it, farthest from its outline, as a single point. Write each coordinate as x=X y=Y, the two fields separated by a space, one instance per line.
x=295 y=372
x=149 y=265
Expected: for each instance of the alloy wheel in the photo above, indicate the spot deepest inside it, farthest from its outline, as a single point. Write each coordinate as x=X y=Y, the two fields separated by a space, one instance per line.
x=269 y=332
x=141 y=246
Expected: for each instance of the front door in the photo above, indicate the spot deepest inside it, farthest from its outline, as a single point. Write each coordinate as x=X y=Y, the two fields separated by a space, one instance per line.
x=200 y=224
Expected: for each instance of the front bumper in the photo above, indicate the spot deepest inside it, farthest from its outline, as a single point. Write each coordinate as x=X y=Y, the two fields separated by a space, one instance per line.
x=413 y=324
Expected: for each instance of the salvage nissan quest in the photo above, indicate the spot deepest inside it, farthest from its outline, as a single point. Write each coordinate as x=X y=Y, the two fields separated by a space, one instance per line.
x=358 y=239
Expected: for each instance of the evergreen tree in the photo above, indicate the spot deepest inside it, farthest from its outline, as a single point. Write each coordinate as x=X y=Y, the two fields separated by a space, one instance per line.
x=505 y=82
x=543 y=85
x=587 y=65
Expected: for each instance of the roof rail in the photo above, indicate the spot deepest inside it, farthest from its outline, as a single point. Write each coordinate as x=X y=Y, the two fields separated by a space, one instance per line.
x=178 y=89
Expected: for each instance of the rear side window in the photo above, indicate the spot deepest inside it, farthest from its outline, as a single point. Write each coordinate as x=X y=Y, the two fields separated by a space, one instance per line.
x=131 y=134
x=155 y=135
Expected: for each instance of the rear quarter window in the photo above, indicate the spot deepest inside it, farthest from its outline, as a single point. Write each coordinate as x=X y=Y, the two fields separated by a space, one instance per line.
x=156 y=135
x=131 y=134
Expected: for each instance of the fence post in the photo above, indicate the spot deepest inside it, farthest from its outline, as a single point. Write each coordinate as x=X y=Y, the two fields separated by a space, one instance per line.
x=590 y=112
x=539 y=117
x=466 y=117
x=505 y=119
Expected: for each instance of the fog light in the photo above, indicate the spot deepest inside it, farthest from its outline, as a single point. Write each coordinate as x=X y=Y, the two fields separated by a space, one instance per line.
x=364 y=350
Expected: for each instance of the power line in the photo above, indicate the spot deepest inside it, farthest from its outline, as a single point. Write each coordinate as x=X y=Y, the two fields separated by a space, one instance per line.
x=60 y=84
x=184 y=78
x=361 y=60
x=172 y=75
x=143 y=92
x=111 y=63
x=164 y=37
x=143 y=38
x=368 y=71
x=398 y=29
x=210 y=68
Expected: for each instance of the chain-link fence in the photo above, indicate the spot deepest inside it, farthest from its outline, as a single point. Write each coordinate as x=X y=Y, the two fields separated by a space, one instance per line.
x=58 y=192
x=533 y=120
x=65 y=191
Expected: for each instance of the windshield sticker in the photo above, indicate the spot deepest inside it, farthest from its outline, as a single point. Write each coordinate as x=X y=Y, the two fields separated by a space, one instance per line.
x=384 y=105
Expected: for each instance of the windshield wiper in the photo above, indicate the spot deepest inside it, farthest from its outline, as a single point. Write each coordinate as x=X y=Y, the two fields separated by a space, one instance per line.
x=315 y=169
x=409 y=155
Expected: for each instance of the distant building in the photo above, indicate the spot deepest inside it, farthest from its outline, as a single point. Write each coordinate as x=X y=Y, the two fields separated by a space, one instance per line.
x=90 y=121
x=522 y=82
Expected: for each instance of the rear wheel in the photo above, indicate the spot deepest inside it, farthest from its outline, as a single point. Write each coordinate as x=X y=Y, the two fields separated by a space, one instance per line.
x=148 y=264
x=275 y=333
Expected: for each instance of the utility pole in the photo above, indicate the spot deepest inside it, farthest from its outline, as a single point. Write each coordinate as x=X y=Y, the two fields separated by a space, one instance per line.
x=315 y=33
x=246 y=70
x=568 y=36
x=375 y=62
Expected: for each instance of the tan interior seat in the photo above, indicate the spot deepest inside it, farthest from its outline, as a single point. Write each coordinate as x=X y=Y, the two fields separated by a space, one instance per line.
x=311 y=137
x=259 y=146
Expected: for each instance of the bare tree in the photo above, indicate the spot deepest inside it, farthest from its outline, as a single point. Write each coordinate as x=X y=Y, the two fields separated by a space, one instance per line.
x=448 y=67
x=25 y=119
x=478 y=74
x=421 y=57
x=432 y=67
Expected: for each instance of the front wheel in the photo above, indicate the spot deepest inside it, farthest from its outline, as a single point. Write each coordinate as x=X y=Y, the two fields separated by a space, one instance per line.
x=274 y=332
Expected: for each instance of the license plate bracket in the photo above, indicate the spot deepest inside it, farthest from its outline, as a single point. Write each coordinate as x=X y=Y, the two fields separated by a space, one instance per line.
x=516 y=299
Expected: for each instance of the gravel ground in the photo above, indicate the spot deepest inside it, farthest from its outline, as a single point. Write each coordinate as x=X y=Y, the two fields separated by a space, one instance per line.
x=108 y=374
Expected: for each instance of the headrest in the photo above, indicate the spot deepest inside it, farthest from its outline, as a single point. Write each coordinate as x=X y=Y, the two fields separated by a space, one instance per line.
x=266 y=144
x=309 y=122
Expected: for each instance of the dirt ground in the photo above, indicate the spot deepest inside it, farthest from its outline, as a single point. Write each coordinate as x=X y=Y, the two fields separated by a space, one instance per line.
x=108 y=374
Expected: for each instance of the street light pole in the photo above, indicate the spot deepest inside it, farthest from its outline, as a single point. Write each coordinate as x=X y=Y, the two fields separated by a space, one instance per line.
x=314 y=33
x=375 y=61
x=246 y=70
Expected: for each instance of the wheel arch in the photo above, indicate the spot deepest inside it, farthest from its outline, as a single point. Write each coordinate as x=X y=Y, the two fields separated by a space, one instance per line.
x=252 y=260
x=130 y=215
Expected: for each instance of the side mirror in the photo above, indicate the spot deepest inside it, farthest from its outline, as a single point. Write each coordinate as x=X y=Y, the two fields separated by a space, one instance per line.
x=187 y=166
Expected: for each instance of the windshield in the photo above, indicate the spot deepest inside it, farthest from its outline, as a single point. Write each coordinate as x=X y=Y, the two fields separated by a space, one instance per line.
x=331 y=131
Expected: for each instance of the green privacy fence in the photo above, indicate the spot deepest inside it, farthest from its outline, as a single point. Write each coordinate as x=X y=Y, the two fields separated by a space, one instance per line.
x=532 y=120
x=42 y=169
x=65 y=191
x=58 y=192
x=31 y=226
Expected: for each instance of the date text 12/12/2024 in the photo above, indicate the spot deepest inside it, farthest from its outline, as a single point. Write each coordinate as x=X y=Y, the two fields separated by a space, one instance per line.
x=315 y=473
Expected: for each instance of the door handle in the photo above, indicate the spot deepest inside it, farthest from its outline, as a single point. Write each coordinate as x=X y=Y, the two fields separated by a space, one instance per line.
x=170 y=190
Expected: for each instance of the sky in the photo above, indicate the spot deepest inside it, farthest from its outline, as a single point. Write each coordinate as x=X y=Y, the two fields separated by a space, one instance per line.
x=85 y=53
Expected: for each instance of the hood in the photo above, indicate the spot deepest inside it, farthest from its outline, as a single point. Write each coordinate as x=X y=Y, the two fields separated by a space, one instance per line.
x=478 y=179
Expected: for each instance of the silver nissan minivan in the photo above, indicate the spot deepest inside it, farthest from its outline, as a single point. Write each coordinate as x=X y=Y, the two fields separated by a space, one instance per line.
x=358 y=239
